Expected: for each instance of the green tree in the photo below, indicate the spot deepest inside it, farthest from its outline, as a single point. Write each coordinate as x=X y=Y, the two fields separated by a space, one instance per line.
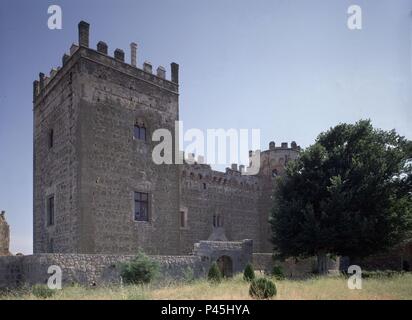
x=249 y=273
x=214 y=275
x=348 y=194
x=140 y=270
x=262 y=288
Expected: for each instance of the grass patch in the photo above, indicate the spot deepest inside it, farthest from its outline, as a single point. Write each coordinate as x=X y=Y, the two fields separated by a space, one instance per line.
x=397 y=286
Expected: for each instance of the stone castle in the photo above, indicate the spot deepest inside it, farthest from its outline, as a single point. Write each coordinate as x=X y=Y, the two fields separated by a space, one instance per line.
x=99 y=197
x=96 y=187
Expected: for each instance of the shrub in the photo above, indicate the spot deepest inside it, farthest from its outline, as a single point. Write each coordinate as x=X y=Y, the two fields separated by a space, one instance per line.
x=214 y=274
x=188 y=275
x=42 y=291
x=262 y=288
x=249 y=273
x=277 y=272
x=140 y=270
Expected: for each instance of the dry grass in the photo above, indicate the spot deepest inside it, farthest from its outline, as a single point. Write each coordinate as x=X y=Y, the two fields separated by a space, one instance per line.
x=396 y=287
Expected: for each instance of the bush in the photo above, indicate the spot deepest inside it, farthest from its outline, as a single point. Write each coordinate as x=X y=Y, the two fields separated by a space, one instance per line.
x=42 y=291
x=277 y=272
x=214 y=274
x=140 y=270
x=249 y=273
x=188 y=275
x=262 y=288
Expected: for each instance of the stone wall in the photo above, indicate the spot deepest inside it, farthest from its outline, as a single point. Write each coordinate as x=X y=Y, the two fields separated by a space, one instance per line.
x=292 y=268
x=115 y=164
x=239 y=200
x=90 y=269
x=272 y=165
x=91 y=104
x=398 y=258
x=207 y=194
x=98 y=269
x=237 y=253
x=56 y=167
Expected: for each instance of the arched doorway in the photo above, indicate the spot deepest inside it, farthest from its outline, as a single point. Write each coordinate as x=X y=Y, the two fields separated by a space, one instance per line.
x=225 y=266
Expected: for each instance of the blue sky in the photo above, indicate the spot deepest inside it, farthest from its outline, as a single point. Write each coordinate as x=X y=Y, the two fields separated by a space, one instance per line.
x=290 y=68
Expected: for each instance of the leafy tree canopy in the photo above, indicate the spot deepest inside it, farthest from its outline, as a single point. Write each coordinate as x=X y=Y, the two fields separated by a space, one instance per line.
x=347 y=194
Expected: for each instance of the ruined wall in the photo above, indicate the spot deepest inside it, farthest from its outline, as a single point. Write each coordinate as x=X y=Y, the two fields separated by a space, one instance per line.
x=4 y=235
x=90 y=269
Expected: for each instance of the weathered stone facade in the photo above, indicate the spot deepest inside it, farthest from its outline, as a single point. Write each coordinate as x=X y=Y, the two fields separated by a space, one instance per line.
x=88 y=165
x=88 y=269
x=4 y=235
x=94 y=165
x=241 y=202
x=98 y=269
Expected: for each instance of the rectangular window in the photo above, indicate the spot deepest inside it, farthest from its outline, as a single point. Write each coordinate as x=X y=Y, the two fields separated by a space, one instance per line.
x=183 y=219
x=51 y=245
x=50 y=210
x=141 y=206
x=51 y=138
x=140 y=132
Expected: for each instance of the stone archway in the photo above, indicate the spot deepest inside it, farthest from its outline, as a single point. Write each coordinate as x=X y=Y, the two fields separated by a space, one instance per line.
x=225 y=265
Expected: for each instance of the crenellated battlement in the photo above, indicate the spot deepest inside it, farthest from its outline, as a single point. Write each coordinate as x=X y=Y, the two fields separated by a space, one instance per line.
x=94 y=116
x=273 y=158
x=283 y=146
x=195 y=169
x=203 y=173
x=101 y=55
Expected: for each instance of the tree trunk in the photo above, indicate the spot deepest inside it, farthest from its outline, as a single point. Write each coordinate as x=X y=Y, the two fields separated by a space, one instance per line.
x=322 y=263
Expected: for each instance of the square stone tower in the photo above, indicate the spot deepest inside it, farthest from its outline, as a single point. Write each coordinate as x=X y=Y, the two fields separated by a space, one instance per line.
x=96 y=188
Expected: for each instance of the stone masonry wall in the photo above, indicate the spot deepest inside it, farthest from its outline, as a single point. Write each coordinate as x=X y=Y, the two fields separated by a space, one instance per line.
x=272 y=164
x=91 y=104
x=243 y=202
x=239 y=253
x=206 y=193
x=98 y=269
x=89 y=269
x=56 y=167
x=291 y=267
x=265 y=263
x=115 y=165
x=398 y=258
